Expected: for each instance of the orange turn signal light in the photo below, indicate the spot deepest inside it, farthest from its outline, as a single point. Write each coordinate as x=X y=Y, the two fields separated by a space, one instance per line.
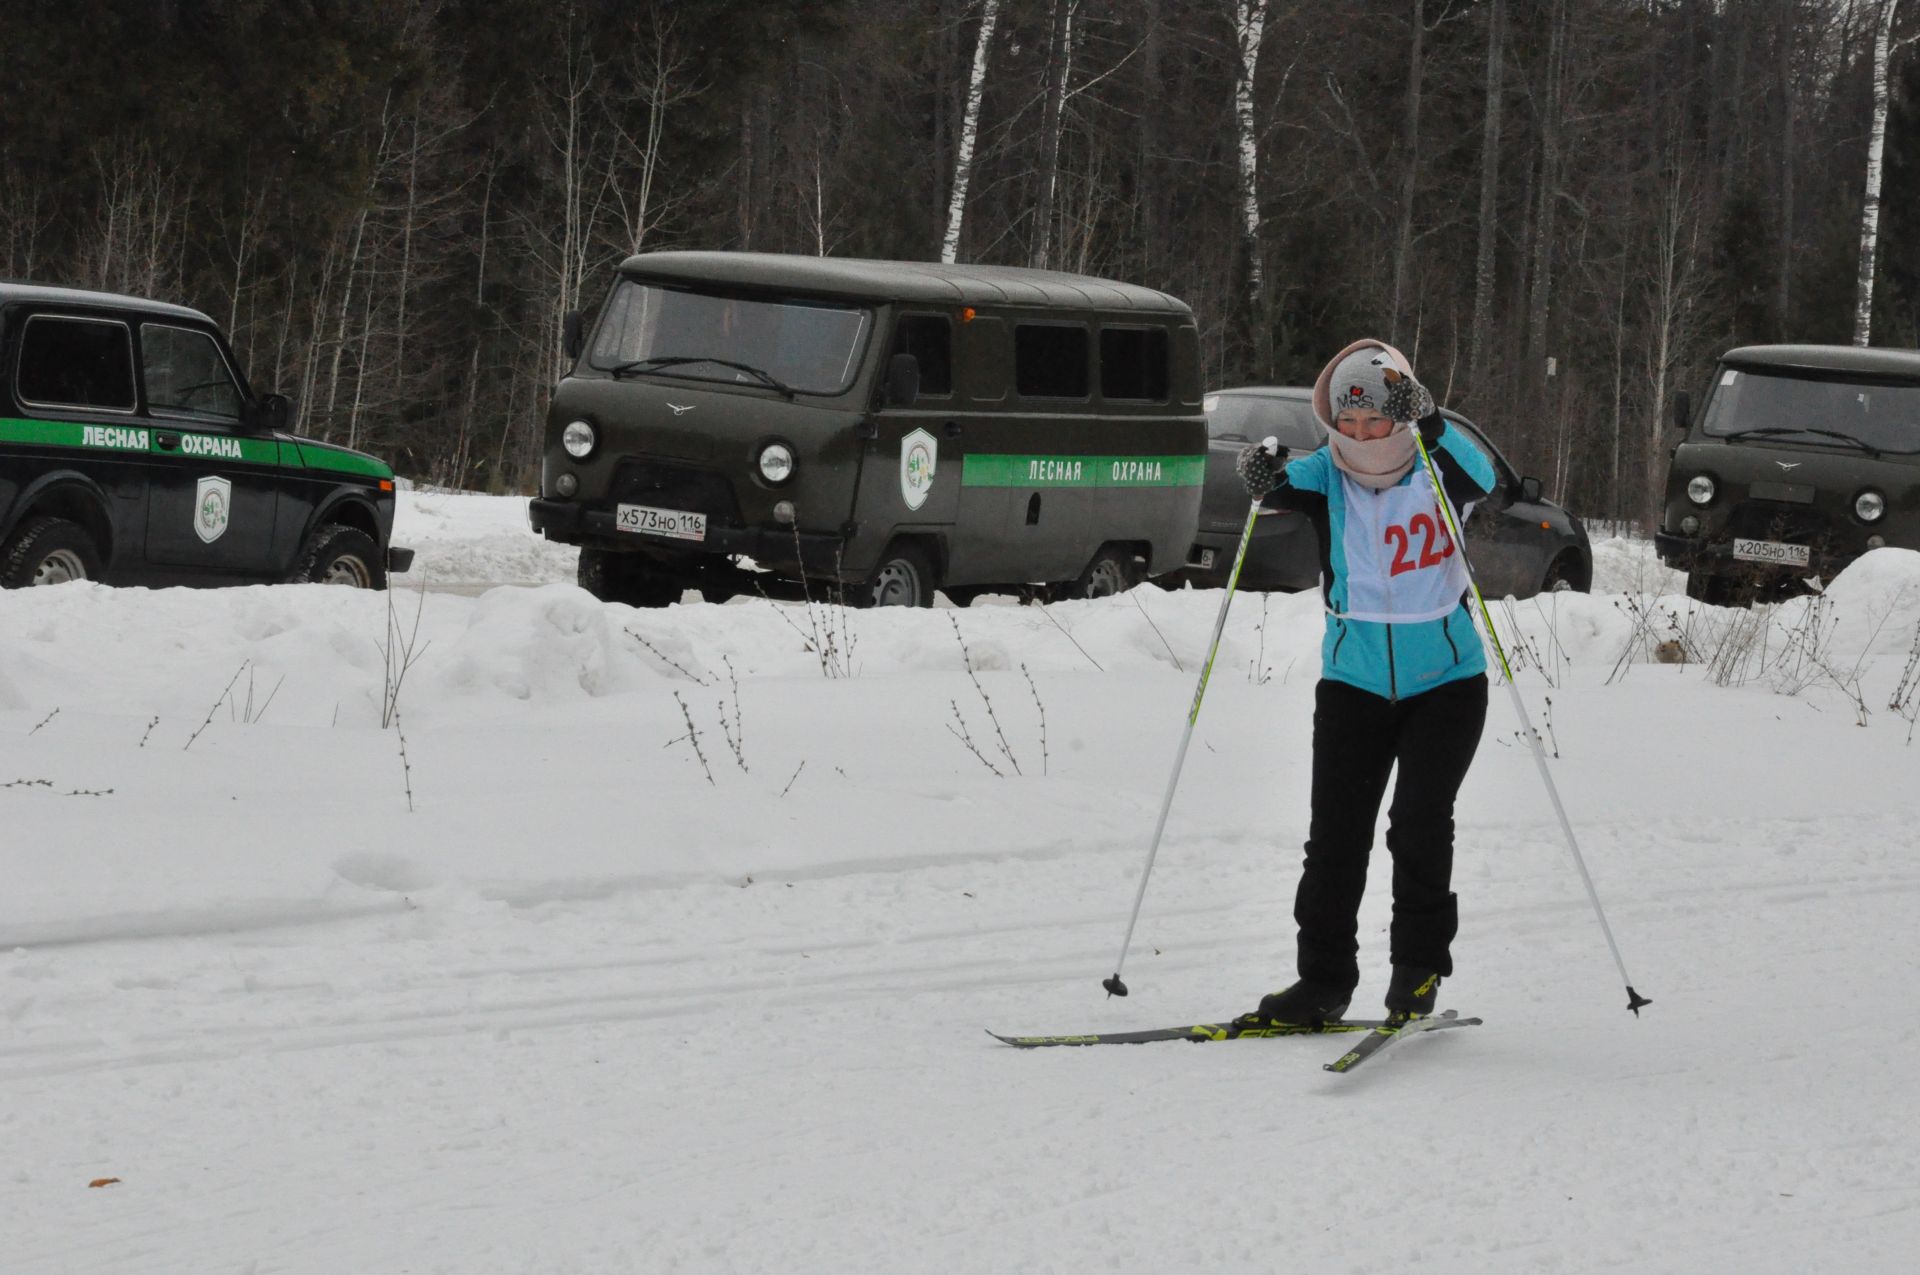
x=967 y=315
x=386 y=484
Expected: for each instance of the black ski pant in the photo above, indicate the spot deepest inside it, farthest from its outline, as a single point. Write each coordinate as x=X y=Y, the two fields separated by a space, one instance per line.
x=1358 y=738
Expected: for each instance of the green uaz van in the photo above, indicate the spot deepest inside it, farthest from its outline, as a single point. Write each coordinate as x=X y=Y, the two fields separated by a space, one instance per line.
x=737 y=422
x=1802 y=458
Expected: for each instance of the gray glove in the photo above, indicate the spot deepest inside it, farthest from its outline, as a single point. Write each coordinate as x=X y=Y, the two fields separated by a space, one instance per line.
x=1407 y=399
x=1259 y=467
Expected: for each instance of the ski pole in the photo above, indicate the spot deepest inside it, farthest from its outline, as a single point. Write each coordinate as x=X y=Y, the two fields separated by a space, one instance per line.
x=1113 y=985
x=1634 y=999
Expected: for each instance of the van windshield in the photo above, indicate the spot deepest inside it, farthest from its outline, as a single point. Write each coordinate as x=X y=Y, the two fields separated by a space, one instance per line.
x=813 y=347
x=1800 y=409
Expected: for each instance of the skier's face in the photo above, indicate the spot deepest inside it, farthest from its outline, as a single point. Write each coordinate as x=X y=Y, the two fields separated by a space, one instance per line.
x=1363 y=423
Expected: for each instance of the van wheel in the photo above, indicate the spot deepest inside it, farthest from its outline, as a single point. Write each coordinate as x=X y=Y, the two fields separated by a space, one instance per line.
x=624 y=578
x=904 y=578
x=1714 y=590
x=1111 y=571
x=48 y=551
x=343 y=555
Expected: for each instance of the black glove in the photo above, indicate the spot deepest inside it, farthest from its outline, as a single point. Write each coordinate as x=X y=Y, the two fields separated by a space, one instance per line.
x=1407 y=399
x=1259 y=468
x=1431 y=426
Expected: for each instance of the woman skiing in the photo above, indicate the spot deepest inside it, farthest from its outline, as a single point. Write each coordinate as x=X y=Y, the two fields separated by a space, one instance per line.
x=1403 y=678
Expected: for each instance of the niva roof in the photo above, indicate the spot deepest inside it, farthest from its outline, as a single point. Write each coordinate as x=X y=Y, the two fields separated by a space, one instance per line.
x=47 y=295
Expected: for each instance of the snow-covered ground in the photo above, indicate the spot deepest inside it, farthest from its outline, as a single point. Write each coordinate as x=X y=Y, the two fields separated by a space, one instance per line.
x=583 y=1009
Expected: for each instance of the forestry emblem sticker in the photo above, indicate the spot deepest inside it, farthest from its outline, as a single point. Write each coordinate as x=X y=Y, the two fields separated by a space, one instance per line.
x=919 y=457
x=212 y=502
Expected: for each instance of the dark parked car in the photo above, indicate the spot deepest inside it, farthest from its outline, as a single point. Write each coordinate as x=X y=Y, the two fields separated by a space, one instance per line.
x=1803 y=457
x=133 y=451
x=1520 y=542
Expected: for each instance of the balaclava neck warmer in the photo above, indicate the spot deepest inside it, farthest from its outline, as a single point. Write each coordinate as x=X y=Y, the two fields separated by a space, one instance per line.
x=1356 y=377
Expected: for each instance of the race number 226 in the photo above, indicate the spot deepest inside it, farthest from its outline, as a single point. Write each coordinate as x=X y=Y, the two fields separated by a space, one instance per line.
x=1429 y=530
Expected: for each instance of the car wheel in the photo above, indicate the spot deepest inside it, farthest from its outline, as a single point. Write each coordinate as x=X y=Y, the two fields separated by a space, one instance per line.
x=1564 y=576
x=48 y=551
x=623 y=578
x=343 y=555
x=904 y=578
x=1111 y=571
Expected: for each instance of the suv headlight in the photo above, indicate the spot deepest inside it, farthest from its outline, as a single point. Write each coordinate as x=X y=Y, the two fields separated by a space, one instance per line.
x=1869 y=505
x=776 y=462
x=578 y=438
x=1700 y=489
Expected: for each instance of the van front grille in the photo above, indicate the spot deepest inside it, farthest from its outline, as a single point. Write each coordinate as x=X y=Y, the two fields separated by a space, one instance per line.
x=1791 y=524
x=663 y=486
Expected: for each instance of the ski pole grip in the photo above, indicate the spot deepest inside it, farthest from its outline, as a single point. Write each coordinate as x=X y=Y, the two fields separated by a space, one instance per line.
x=1270 y=444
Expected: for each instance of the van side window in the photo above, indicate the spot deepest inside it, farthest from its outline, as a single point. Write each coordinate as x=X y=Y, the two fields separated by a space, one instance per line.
x=185 y=373
x=1050 y=360
x=1133 y=364
x=929 y=338
x=69 y=362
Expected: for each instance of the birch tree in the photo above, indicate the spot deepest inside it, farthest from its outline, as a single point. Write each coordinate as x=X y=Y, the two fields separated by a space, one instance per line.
x=1249 y=24
x=1052 y=124
x=969 y=133
x=1883 y=49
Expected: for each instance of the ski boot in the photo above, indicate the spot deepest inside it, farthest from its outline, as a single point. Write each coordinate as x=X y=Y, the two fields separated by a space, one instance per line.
x=1304 y=1004
x=1411 y=994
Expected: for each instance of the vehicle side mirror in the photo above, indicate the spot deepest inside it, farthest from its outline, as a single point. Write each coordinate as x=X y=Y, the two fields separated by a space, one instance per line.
x=1682 y=411
x=573 y=333
x=1530 y=490
x=903 y=380
x=267 y=414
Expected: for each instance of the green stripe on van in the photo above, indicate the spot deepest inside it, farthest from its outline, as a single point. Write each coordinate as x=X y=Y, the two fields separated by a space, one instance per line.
x=1082 y=471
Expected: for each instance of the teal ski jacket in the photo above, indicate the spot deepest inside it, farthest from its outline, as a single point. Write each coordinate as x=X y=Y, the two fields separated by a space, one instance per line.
x=1392 y=660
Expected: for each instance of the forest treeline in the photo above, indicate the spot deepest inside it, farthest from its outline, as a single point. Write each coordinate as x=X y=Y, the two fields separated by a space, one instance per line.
x=1562 y=209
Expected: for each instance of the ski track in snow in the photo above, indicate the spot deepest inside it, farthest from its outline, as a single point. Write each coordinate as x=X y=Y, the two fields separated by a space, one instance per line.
x=583 y=1010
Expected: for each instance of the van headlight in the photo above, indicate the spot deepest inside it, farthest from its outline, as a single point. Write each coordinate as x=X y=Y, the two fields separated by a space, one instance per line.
x=1700 y=489
x=578 y=438
x=1869 y=505
x=776 y=462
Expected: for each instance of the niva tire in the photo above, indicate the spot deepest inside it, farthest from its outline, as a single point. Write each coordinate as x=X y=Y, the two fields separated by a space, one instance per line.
x=343 y=555
x=48 y=550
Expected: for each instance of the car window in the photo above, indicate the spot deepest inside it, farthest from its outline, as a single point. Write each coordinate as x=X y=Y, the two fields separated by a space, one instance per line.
x=186 y=373
x=1050 y=360
x=929 y=338
x=74 y=362
x=812 y=346
x=1257 y=416
x=1133 y=364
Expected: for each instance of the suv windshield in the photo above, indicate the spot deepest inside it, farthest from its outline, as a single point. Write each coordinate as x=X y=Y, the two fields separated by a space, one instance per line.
x=812 y=347
x=1828 y=412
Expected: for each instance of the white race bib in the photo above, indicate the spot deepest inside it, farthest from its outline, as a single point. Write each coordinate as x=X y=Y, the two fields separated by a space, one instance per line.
x=1402 y=565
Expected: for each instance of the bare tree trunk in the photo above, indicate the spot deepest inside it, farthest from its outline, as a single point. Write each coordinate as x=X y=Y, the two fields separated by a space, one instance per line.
x=969 y=133
x=1540 y=299
x=1052 y=123
x=1483 y=272
x=1783 y=295
x=1409 y=173
x=1249 y=21
x=1870 y=204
